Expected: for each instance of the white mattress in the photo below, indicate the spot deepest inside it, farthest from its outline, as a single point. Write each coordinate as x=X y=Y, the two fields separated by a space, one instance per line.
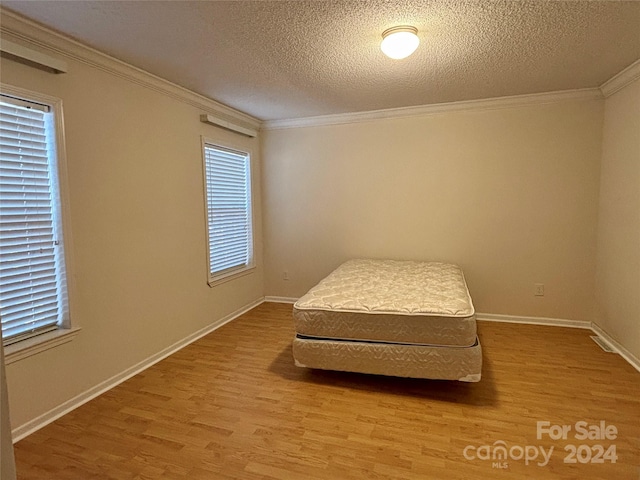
x=390 y=301
x=414 y=361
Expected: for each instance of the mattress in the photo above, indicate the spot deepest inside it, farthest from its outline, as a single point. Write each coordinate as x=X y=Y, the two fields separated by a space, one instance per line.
x=413 y=361
x=390 y=301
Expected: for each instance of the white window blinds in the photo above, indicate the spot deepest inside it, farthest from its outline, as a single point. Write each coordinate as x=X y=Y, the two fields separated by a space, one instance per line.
x=32 y=290
x=228 y=197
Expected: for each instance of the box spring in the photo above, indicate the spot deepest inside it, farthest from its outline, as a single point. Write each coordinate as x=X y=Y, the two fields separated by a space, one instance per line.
x=399 y=360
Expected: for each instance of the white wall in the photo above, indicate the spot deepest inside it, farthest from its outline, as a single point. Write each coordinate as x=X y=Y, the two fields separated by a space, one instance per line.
x=509 y=194
x=618 y=278
x=138 y=225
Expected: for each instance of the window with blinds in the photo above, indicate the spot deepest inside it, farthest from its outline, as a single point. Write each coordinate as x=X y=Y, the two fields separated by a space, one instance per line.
x=228 y=202
x=32 y=286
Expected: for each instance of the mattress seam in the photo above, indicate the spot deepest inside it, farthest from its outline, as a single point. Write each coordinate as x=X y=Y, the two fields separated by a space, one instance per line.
x=379 y=342
x=384 y=312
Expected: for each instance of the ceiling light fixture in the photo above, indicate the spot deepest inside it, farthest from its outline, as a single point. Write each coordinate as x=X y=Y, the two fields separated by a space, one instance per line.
x=399 y=42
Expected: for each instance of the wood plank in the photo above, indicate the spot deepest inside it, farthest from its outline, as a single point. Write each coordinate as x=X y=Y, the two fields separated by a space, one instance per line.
x=233 y=405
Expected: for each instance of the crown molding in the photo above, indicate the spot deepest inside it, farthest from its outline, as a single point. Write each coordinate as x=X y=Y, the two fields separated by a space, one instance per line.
x=422 y=110
x=25 y=31
x=621 y=80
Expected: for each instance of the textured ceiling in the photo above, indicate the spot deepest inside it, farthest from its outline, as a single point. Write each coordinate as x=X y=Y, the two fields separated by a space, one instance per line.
x=290 y=59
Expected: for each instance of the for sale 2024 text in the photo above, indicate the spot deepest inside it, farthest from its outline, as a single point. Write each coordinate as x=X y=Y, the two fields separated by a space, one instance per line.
x=583 y=453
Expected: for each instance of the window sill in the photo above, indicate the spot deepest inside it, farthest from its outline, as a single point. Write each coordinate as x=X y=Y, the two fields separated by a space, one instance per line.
x=231 y=275
x=32 y=346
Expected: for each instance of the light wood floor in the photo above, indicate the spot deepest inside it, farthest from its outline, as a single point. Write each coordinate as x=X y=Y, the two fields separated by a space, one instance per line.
x=233 y=405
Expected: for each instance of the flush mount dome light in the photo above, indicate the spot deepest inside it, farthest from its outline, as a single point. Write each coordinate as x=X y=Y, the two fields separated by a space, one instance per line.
x=400 y=42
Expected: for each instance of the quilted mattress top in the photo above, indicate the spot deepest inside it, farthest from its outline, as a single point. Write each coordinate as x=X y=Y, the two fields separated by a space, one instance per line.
x=391 y=286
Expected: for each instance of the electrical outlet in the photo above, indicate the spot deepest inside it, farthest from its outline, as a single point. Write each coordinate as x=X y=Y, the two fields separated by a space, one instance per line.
x=285 y=275
x=539 y=289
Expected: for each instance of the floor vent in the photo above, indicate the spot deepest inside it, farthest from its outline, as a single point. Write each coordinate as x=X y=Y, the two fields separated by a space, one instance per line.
x=603 y=345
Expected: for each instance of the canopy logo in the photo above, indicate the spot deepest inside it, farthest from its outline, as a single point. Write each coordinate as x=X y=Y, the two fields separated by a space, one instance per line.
x=499 y=454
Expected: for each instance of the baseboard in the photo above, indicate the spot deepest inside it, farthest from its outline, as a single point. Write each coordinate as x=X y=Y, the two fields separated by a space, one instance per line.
x=617 y=347
x=555 y=322
x=28 y=428
x=280 y=299
x=551 y=322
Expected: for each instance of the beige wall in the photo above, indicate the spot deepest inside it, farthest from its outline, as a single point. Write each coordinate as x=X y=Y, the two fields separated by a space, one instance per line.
x=509 y=194
x=7 y=460
x=618 y=278
x=137 y=219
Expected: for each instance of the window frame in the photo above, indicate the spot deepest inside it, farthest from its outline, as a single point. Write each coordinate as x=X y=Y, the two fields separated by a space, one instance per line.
x=69 y=328
x=216 y=278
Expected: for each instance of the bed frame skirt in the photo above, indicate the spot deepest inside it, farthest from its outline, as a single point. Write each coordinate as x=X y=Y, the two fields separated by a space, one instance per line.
x=399 y=360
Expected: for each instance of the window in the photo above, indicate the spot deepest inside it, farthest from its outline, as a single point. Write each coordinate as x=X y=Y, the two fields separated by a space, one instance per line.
x=33 y=290
x=227 y=181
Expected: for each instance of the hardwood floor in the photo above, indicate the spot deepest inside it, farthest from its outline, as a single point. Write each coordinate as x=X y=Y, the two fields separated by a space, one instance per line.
x=233 y=405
